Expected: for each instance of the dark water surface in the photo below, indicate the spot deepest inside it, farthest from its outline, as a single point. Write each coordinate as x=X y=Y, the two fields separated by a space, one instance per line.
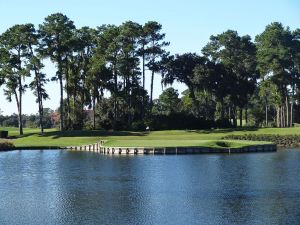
x=59 y=187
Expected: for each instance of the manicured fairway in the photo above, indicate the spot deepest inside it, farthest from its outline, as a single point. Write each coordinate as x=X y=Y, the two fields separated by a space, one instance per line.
x=53 y=137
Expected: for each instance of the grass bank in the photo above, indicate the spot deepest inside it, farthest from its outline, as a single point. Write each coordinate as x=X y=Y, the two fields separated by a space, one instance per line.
x=5 y=144
x=170 y=138
x=183 y=143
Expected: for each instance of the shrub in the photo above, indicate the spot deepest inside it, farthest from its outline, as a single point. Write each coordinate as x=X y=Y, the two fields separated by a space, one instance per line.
x=282 y=140
x=178 y=121
x=223 y=123
x=3 y=134
x=6 y=145
x=138 y=126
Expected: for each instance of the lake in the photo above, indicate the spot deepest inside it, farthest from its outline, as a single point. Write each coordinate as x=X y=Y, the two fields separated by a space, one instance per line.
x=61 y=187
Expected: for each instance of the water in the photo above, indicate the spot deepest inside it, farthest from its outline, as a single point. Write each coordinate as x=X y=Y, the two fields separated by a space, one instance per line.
x=58 y=187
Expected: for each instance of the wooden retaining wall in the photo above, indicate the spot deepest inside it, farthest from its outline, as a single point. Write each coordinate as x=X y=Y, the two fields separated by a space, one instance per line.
x=99 y=148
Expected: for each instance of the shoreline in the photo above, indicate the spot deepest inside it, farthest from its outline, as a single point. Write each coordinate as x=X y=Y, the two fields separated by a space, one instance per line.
x=99 y=148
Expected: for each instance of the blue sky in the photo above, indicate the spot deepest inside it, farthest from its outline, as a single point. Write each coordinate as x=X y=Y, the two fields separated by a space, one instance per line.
x=188 y=24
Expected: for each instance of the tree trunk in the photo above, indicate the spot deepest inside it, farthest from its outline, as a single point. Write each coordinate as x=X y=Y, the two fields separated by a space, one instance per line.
x=292 y=105
x=94 y=112
x=69 y=125
x=61 y=103
x=151 y=89
x=278 y=116
x=38 y=90
x=284 y=116
x=246 y=116
x=20 y=107
x=287 y=112
x=115 y=96
x=41 y=115
x=222 y=109
x=234 y=117
x=19 y=102
x=19 y=112
x=83 y=97
x=241 y=117
x=20 y=115
x=229 y=115
x=281 y=116
x=40 y=101
x=143 y=106
x=266 y=115
x=60 y=78
x=143 y=71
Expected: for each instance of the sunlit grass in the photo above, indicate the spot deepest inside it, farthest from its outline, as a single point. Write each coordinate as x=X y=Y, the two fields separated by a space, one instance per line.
x=52 y=137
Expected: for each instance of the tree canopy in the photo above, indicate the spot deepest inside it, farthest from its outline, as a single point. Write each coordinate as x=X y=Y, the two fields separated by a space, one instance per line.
x=102 y=75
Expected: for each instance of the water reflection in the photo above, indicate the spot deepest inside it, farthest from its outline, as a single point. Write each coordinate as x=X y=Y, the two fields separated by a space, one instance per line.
x=57 y=187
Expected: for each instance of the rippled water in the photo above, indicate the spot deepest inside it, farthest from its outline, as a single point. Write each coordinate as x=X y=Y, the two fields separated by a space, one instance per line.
x=58 y=187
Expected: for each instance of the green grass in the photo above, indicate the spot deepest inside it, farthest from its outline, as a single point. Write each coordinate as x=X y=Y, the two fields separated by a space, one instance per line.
x=182 y=143
x=170 y=138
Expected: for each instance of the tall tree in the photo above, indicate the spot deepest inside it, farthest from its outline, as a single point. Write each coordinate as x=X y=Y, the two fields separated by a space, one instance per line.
x=274 y=55
x=34 y=64
x=142 y=52
x=295 y=72
x=98 y=79
x=155 y=50
x=169 y=100
x=182 y=69
x=270 y=97
x=129 y=64
x=78 y=63
x=56 y=34
x=14 y=56
x=237 y=54
x=212 y=77
x=108 y=48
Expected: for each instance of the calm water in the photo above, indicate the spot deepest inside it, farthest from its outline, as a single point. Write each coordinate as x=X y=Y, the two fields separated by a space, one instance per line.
x=57 y=187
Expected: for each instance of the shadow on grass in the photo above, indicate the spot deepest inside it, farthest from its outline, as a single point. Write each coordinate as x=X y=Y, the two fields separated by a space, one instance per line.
x=82 y=133
x=102 y=133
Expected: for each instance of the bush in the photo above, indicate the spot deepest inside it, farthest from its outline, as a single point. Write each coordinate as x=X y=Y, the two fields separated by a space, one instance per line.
x=178 y=121
x=3 y=134
x=6 y=145
x=224 y=123
x=281 y=140
x=138 y=126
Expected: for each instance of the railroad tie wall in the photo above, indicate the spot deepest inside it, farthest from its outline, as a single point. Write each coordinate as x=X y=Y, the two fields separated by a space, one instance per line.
x=99 y=148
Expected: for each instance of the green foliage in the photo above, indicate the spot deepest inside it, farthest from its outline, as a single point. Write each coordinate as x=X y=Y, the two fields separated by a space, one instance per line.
x=236 y=59
x=167 y=103
x=138 y=126
x=28 y=121
x=278 y=62
x=281 y=140
x=274 y=51
x=10 y=121
x=179 y=121
x=15 y=44
x=102 y=73
x=56 y=43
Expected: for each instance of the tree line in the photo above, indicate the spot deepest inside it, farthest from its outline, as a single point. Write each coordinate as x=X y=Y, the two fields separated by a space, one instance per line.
x=233 y=79
x=29 y=121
